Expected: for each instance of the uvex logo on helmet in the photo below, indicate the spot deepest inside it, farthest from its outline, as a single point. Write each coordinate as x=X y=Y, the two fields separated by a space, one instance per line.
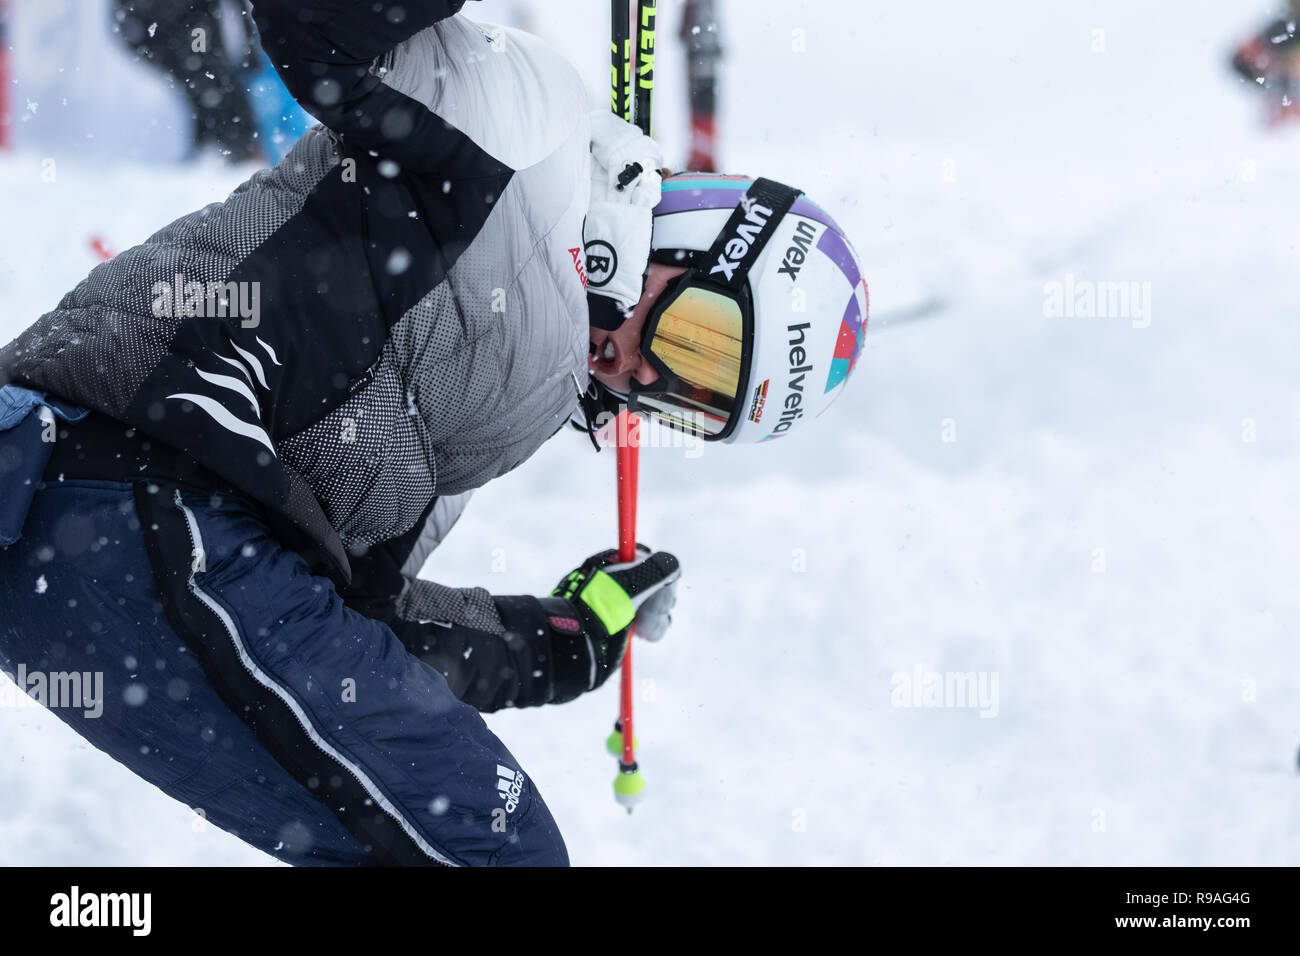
x=804 y=235
x=737 y=247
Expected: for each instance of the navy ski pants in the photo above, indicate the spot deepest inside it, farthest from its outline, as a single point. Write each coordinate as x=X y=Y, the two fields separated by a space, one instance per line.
x=239 y=683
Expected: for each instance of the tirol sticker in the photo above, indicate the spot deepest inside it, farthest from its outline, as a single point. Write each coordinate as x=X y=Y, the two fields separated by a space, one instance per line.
x=760 y=399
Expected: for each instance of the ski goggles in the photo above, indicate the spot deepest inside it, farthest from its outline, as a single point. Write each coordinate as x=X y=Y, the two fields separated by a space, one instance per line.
x=699 y=335
x=699 y=338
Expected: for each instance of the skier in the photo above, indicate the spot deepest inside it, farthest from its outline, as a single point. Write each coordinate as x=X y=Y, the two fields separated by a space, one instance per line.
x=241 y=110
x=186 y=41
x=244 y=478
x=1270 y=60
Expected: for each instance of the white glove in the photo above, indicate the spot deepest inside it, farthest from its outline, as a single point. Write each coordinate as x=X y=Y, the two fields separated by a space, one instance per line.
x=619 y=219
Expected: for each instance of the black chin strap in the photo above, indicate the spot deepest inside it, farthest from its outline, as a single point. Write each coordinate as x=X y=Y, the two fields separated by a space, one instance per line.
x=604 y=313
x=592 y=402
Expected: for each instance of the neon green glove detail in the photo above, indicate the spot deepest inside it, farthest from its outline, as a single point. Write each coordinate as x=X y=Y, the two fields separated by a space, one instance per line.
x=608 y=602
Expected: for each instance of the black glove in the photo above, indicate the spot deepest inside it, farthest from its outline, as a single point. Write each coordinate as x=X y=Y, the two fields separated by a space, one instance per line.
x=591 y=610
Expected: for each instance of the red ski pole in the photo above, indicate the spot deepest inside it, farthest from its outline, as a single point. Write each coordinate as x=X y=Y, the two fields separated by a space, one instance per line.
x=629 y=785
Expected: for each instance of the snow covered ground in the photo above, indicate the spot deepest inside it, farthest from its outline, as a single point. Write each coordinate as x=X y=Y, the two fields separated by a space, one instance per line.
x=1098 y=514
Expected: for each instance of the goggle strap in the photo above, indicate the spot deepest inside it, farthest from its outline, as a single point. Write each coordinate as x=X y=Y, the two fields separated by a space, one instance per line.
x=748 y=229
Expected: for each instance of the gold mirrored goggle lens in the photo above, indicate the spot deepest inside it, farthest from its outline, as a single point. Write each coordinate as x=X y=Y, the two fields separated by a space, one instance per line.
x=700 y=338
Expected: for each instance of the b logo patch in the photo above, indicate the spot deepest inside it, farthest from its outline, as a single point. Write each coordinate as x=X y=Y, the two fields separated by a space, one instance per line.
x=602 y=263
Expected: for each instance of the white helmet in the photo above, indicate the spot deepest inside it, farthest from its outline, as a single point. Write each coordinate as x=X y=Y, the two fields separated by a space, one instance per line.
x=763 y=329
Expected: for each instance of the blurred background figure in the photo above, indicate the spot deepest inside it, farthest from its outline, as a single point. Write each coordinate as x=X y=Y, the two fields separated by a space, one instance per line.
x=4 y=74
x=1271 y=59
x=184 y=40
x=700 y=35
x=208 y=50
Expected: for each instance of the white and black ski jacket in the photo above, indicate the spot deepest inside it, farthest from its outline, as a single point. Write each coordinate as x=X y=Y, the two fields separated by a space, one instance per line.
x=421 y=321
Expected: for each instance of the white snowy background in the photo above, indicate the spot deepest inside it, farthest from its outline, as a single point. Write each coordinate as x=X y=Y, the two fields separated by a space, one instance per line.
x=1148 y=705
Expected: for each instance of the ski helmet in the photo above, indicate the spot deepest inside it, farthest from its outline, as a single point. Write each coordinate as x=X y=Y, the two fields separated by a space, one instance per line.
x=763 y=329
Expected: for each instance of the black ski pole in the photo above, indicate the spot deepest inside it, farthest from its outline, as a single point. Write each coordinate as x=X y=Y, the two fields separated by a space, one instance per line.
x=620 y=51
x=645 y=70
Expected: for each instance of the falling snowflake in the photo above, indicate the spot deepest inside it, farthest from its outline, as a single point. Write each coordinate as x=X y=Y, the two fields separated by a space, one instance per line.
x=398 y=261
x=41 y=586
